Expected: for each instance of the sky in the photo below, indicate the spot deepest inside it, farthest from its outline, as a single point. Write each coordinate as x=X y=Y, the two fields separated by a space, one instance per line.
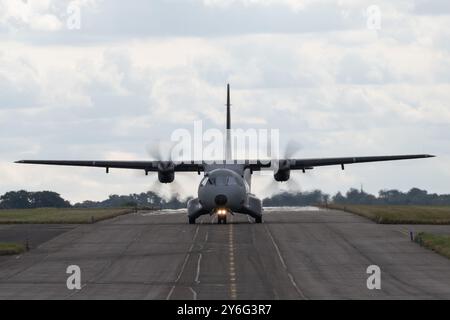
x=107 y=80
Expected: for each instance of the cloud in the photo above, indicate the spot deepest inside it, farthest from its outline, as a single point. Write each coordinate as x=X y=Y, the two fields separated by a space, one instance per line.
x=34 y=15
x=315 y=73
x=432 y=7
x=111 y=20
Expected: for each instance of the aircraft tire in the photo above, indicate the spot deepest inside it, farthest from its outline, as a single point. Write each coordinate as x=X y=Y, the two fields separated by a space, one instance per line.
x=222 y=220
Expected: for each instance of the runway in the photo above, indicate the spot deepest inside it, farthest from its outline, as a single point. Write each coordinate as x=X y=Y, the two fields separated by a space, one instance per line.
x=302 y=253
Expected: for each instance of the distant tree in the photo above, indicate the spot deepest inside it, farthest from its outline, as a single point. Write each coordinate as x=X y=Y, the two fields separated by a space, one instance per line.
x=143 y=199
x=24 y=200
x=48 y=199
x=418 y=197
x=296 y=199
x=15 y=200
x=392 y=197
x=339 y=198
x=356 y=196
x=129 y=204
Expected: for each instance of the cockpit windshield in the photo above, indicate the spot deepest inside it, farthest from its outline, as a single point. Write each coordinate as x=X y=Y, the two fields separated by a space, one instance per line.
x=231 y=181
x=220 y=181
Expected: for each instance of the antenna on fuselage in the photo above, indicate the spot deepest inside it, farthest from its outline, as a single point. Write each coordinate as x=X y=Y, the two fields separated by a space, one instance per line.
x=228 y=155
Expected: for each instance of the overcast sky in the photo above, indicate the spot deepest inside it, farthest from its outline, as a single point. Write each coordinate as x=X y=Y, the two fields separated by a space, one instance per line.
x=137 y=70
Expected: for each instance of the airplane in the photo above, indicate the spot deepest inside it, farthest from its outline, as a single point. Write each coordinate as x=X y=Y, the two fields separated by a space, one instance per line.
x=226 y=186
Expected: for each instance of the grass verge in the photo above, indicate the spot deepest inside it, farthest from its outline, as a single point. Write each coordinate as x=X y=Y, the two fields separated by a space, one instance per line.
x=59 y=216
x=11 y=248
x=386 y=214
x=437 y=243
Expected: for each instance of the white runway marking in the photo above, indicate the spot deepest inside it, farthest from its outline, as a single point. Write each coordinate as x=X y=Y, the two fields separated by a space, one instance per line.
x=291 y=278
x=162 y=212
x=197 y=276
x=184 y=264
x=193 y=293
x=281 y=209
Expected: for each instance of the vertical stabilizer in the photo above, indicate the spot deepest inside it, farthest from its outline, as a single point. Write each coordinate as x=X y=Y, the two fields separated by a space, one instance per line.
x=228 y=155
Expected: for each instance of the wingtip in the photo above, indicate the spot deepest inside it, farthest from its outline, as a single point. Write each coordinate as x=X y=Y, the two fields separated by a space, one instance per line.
x=19 y=161
x=430 y=156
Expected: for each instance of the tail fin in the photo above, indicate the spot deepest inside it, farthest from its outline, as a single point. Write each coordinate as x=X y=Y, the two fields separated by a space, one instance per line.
x=228 y=108
x=228 y=155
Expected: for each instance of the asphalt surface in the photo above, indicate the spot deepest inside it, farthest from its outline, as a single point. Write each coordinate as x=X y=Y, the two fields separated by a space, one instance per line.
x=294 y=254
x=32 y=234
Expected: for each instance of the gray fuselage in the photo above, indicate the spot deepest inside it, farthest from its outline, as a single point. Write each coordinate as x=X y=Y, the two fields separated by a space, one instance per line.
x=225 y=187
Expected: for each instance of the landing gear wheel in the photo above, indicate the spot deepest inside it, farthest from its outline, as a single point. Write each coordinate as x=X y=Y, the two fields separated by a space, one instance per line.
x=222 y=220
x=258 y=219
x=191 y=220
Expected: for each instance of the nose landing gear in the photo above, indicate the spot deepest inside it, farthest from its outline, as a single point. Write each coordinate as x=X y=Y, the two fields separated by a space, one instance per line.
x=222 y=216
x=222 y=219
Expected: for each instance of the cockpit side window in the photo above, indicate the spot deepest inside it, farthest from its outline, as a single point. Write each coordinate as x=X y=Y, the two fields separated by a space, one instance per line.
x=204 y=181
x=247 y=187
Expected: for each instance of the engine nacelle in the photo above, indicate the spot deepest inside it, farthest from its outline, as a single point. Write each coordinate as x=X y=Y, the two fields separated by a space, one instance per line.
x=282 y=175
x=284 y=171
x=166 y=172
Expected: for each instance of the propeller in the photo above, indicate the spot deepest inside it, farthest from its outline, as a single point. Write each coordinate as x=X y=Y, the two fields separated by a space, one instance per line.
x=162 y=151
x=291 y=149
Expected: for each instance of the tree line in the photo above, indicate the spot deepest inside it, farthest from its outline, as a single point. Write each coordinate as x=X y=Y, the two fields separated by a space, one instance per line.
x=144 y=199
x=415 y=196
x=26 y=200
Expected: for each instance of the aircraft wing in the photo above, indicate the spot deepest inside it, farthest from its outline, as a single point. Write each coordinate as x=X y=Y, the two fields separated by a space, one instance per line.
x=305 y=164
x=194 y=166
x=149 y=166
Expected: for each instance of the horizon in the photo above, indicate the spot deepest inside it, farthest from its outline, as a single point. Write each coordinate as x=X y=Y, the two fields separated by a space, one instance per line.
x=176 y=197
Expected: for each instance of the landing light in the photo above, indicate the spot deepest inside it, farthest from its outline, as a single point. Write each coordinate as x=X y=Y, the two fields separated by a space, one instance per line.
x=222 y=212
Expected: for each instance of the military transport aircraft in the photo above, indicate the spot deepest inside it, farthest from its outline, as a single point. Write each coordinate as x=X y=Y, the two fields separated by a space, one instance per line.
x=225 y=187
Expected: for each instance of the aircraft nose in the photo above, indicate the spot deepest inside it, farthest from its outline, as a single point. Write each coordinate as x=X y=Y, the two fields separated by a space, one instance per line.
x=221 y=200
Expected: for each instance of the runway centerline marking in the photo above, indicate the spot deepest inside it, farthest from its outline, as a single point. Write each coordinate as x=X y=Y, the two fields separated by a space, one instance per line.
x=232 y=269
x=184 y=264
x=291 y=277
